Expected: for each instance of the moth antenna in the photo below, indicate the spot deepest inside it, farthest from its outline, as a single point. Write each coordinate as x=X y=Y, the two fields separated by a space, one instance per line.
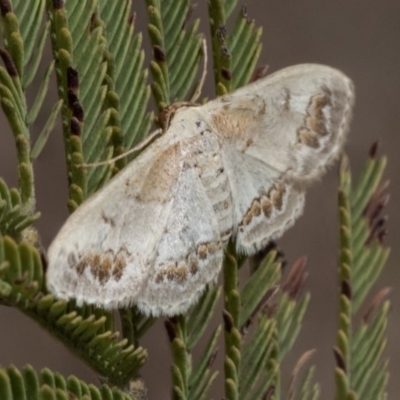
x=199 y=88
x=140 y=146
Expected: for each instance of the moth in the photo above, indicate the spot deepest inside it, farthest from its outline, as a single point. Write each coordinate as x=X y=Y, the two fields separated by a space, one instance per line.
x=236 y=168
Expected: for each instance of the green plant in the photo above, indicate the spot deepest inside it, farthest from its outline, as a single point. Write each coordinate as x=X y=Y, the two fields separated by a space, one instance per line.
x=102 y=96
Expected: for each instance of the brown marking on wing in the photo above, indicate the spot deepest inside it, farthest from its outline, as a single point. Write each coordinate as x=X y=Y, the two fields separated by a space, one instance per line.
x=249 y=142
x=170 y=272
x=173 y=272
x=308 y=138
x=108 y=220
x=238 y=120
x=100 y=267
x=277 y=194
x=104 y=266
x=230 y=126
x=265 y=203
x=80 y=267
x=181 y=273
x=160 y=276
x=120 y=263
x=254 y=210
x=315 y=122
x=202 y=251
x=193 y=267
x=155 y=183
x=266 y=207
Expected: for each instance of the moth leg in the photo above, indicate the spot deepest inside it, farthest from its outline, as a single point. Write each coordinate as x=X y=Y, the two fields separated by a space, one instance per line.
x=144 y=143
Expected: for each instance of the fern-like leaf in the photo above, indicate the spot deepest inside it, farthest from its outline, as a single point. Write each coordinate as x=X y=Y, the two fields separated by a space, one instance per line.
x=193 y=382
x=14 y=217
x=33 y=34
x=235 y=54
x=128 y=74
x=23 y=38
x=270 y=323
x=360 y=370
x=245 y=47
x=308 y=391
x=88 y=332
x=177 y=52
x=90 y=119
x=28 y=385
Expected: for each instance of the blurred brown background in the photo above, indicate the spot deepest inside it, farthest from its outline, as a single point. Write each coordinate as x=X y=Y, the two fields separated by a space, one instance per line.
x=362 y=38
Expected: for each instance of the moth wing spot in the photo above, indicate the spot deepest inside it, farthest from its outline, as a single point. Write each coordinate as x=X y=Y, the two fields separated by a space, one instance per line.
x=202 y=251
x=253 y=211
x=80 y=267
x=161 y=175
x=181 y=273
x=104 y=266
x=193 y=267
x=308 y=138
x=108 y=220
x=266 y=206
x=160 y=276
x=277 y=196
x=120 y=263
x=316 y=120
x=170 y=272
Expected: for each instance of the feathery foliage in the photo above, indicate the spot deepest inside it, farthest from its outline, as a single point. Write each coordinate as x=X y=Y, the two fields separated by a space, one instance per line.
x=132 y=93
x=27 y=384
x=261 y=323
x=236 y=54
x=14 y=217
x=361 y=371
x=83 y=80
x=176 y=50
x=23 y=41
x=104 y=99
x=90 y=333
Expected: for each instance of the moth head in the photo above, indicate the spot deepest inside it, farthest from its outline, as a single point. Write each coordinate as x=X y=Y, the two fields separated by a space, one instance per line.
x=167 y=114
